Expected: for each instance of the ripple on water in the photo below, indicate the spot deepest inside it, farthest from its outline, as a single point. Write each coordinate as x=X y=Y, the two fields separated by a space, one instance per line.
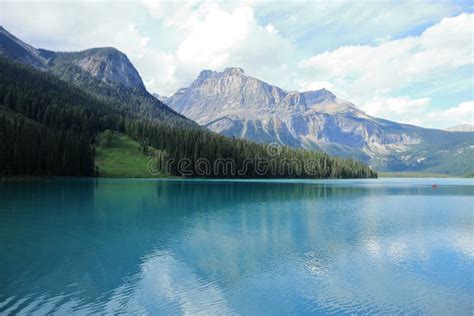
x=149 y=247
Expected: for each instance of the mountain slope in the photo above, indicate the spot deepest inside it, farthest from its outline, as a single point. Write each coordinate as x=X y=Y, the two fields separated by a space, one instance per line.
x=119 y=156
x=104 y=72
x=49 y=127
x=461 y=128
x=105 y=64
x=234 y=104
x=16 y=50
x=71 y=106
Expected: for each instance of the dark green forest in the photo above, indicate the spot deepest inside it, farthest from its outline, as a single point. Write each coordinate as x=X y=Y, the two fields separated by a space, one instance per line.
x=49 y=127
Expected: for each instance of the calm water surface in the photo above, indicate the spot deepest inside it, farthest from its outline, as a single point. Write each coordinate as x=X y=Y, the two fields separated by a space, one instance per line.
x=221 y=247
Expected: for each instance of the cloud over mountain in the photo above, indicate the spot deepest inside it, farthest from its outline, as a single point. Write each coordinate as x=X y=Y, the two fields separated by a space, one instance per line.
x=374 y=54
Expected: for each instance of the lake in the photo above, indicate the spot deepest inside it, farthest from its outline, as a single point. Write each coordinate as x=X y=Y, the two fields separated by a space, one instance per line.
x=237 y=247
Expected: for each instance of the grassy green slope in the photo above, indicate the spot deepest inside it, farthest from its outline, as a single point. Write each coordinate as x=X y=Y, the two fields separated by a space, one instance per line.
x=123 y=158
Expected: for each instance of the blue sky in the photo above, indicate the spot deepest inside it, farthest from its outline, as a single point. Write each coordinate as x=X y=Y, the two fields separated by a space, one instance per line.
x=408 y=61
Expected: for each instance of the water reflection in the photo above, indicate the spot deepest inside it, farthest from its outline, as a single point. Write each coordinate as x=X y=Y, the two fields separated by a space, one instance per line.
x=236 y=247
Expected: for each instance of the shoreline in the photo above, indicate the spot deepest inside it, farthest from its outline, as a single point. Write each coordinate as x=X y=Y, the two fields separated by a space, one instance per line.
x=417 y=175
x=382 y=176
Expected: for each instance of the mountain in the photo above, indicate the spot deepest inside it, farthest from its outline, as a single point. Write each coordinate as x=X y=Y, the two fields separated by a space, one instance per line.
x=106 y=64
x=103 y=72
x=461 y=128
x=19 y=51
x=53 y=106
x=234 y=104
x=159 y=97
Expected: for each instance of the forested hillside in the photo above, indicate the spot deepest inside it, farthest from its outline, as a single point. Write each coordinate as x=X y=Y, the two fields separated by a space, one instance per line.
x=49 y=127
x=31 y=148
x=132 y=98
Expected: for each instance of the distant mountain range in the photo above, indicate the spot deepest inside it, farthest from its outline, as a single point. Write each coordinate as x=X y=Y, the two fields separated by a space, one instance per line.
x=234 y=104
x=461 y=128
x=54 y=105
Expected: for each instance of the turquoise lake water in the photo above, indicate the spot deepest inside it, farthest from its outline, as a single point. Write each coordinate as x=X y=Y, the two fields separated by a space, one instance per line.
x=237 y=247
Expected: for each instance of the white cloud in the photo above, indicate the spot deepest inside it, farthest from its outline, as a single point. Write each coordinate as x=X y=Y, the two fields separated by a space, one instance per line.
x=270 y=28
x=72 y=25
x=316 y=85
x=460 y=114
x=211 y=39
x=396 y=106
x=170 y=42
x=416 y=112
x=371 y=76
x=217 y=38
x=180 y=40
x=178 y=14
x=327 y=25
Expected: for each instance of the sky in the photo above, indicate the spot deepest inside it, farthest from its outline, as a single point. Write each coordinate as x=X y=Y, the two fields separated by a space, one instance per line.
x=407 y=61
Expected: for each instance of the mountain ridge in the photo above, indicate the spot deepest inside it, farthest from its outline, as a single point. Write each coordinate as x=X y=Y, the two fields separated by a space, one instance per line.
x=104 y=72
x=62 y=124
x=18 y=50
x=461 y=128
x=237 y=105
x=106 y=64
x=60 y=110
x=232 y=103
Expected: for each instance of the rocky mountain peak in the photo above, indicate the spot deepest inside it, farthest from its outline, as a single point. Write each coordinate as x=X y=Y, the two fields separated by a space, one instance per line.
x=235 y=104
x=203 y=76
x=106 y=64
x=206 y=73
x=318 y=96
x=233 y=71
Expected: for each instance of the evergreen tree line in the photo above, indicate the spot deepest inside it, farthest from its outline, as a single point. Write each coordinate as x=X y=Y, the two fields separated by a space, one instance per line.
x=49 y=127
x=29 y=148
x=277 y=162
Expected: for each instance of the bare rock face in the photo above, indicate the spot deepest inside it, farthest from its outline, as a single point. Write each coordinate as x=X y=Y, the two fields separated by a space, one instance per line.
x=106 y=64
x=103 y=72
x=235 y=104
